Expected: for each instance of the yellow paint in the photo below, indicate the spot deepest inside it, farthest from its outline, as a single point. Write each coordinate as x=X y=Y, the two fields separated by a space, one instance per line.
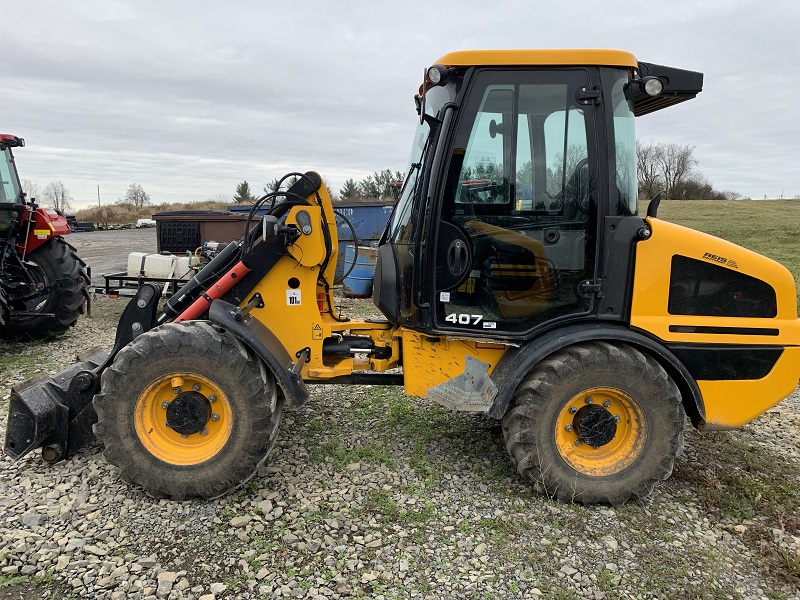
x=600 y=57
x=616 y=455
x=150 y=421
x=300 y=324
x=651 y=288
x=734 y=403
x=727 y=403
x=428 y=363
x=308 y=250
x=41 y=232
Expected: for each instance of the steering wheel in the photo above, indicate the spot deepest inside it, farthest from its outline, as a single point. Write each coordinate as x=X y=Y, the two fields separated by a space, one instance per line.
x=577 y=190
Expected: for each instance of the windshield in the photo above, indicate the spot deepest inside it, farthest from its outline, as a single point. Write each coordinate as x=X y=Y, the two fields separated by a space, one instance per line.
x=9 y=182
x=402 y=225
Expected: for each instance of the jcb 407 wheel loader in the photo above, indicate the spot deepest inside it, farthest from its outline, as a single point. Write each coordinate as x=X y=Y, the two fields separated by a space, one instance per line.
x=515 y=278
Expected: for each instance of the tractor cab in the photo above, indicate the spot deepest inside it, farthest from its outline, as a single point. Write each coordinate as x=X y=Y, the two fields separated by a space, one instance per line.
x=521 y=180
x=10 y=188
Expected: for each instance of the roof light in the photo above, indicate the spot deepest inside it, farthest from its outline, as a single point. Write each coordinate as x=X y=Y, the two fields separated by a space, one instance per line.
x=652 y=86
x=437 y=74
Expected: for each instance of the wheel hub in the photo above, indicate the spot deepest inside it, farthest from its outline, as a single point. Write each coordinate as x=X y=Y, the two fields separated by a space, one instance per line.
x=595 y=425
x=188 y=413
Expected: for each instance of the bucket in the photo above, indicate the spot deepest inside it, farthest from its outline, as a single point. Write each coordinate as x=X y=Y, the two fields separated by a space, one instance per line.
x=358 y=283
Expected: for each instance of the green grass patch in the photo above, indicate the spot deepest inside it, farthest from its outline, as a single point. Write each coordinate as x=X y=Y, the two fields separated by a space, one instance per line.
x=769 y=227
x=26 y=364
x=382 y=503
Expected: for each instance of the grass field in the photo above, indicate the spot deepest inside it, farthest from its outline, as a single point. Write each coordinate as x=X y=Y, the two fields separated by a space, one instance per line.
x=769 y=227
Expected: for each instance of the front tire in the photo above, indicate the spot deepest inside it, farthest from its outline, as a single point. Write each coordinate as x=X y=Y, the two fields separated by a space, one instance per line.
x=187 y=411
x=596 y=422
x=54 y=261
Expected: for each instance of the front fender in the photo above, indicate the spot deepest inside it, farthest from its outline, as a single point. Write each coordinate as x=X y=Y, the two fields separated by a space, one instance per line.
x=47 y=223
x=265 y=344
x=518 y=362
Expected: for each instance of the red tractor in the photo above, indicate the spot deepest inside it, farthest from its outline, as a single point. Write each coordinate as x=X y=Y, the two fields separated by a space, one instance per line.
x=43 y=284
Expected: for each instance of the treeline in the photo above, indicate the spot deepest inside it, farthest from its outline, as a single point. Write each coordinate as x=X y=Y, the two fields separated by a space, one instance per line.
x=671 y=169
x=126 y=212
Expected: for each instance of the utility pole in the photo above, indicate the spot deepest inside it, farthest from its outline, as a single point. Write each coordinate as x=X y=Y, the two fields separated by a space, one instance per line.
x=98 y=195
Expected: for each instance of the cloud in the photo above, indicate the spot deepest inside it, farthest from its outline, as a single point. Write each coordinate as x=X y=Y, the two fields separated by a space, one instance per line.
x=187 y=99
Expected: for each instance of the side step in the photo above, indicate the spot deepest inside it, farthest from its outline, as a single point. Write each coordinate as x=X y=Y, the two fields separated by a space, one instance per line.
x=472 y=391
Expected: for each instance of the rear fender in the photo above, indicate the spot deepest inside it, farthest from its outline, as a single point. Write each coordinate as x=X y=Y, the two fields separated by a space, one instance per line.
x=518 y=362
x=265 y=344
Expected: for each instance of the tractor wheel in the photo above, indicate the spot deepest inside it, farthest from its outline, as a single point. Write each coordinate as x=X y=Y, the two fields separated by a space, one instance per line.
x=186 y=410
x=595 y=422
x=54 y=261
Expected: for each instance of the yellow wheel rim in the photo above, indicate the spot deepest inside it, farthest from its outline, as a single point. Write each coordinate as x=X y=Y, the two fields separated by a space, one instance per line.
x=161 y=440
x=611 y=420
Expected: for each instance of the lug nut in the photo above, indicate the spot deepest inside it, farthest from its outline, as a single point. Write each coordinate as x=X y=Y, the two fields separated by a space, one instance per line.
x=184 y=436
x=617 y=418
x=176 y=390
x=607 y=403
x=568 y=427
x=204 y=431
x=589 y=400
x=572 y=410
x=165 y=404
x=196 y=387
x=212 y=398
x=578 y=442
x=215 y=417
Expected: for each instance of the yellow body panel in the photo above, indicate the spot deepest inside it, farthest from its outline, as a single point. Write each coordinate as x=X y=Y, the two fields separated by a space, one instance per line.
x=728 y=403
x=431 y=360
x=600 y=57
x=652 y=280
x=733 y=403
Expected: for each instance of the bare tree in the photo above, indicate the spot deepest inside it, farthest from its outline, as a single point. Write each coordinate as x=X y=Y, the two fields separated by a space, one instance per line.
x=30 y=188
x=137 y=196
x=676 y=164
x=648 y=169
x=57 y=196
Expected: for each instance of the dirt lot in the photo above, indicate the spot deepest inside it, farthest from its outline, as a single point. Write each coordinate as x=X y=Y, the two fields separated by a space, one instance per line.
x=107 y=251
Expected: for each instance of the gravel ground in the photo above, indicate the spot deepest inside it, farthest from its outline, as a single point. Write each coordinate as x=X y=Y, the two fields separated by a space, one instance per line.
x=372 y=494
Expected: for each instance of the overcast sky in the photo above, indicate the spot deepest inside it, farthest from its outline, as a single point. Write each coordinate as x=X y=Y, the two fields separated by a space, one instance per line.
x=189 y=98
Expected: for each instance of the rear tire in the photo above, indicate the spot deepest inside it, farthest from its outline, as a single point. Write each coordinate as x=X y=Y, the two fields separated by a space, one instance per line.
x=181 y=454
x=595 y=422
x=53 y=261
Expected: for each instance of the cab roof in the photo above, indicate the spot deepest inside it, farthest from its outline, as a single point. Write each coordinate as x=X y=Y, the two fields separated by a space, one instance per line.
x=596 y=57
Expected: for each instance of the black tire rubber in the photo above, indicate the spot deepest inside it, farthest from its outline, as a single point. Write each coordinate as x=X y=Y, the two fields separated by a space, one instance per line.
x=189 y=347
x=529 y=426
x=54 y=260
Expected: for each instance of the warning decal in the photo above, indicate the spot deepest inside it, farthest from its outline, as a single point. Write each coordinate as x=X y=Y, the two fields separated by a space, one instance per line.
x=316 y=332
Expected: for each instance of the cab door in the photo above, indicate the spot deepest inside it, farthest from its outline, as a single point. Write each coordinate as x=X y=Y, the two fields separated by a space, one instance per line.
x=516 y=243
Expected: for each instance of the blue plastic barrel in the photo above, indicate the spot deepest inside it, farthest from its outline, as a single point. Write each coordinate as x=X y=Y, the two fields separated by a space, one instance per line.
x=358 y=283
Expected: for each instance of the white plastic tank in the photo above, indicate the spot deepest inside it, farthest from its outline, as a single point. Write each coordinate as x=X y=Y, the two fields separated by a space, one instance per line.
x=160 y=266
x=183 y=267
x=136 y=262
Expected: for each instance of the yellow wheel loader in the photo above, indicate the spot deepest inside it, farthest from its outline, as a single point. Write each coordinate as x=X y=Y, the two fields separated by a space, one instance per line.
x=515 y=279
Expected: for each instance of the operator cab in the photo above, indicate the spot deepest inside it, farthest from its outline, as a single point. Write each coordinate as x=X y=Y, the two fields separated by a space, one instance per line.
x=10 y=189
x=517 y=170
